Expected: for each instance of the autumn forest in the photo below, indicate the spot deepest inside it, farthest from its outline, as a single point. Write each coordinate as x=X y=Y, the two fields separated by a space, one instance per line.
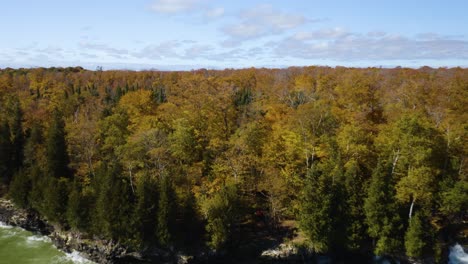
x=355 y=160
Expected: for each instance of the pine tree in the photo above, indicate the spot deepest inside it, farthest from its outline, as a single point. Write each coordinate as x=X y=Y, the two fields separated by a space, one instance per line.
x=55 y=199
x=114 y=205
x=146 y=209
x=323 y=207
x=73 y=208
x=355 y=226
x=382 y=214
x=166 y=211
x=20 y=188
x=32 y=165
x=316 y=210
x=57 y=156
x=17 y=135
x=5 y=152
x=56 y=182
x=80 y=203
x=222 y=211
x=416 y=237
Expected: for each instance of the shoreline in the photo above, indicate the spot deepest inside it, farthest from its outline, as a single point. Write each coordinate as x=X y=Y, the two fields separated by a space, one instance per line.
x=104 y=251
x=99 y=251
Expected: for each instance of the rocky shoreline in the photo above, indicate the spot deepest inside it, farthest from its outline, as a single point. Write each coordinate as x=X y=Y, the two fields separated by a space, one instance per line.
x=99 y=251
x=105 y=251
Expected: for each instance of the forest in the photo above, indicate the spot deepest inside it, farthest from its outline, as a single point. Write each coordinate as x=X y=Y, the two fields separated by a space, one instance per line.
x=360 y=160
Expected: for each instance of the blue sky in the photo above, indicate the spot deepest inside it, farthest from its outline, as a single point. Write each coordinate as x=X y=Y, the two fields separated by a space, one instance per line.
x=190 y=34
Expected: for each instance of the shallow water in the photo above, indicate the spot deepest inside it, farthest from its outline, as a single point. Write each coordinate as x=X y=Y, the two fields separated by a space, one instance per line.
x=457 y=255
x=18 y=246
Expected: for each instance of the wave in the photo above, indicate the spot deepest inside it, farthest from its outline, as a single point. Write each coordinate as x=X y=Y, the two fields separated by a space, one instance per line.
x=74 y=257
x=27 y=240
x=5 y=226
x=457 y=255
x=37 y=238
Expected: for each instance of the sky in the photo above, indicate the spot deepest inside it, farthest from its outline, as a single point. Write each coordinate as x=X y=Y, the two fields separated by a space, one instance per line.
x=192 y=34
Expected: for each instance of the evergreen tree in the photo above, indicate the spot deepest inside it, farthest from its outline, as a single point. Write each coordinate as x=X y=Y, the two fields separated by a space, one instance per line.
x=320 y=208
x=222 y=211
x=55 y=199
x=382 y=214
x=166 y=212
x=355 y=223
x=57 y=156
x=79 y=207
x=416 y=237
x=114 y=205
x=32 y=165
x=20 y=188
x=17 y=135
x=38 y=187
x=73 y=208
x=5 y=152
x=146 y=209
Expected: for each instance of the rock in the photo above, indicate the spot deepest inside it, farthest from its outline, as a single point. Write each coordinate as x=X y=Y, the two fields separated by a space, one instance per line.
x=95 y=249
x=183 y=259
x=283 y=251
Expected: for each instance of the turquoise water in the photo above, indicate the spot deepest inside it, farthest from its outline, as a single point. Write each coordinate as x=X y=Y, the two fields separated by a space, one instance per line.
x=18 y=246
x=458 y=255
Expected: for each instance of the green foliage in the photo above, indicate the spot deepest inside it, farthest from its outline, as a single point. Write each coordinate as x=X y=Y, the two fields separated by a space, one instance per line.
x=114 y=205
x=169 y=158
x=166 y=212
x=5 y=152
x=57 y=156
x=20 y=187
x=55 y=199
x=147 y=194
x=355 y=224
x=321 y=207
x=382 y=215
x=454 y=200
x=243 y=96
x=221 y=212
x=17 y=135
x=183 y=142
x=38 y=187
x=416 y=236
x=159 y=95
x=79 y=207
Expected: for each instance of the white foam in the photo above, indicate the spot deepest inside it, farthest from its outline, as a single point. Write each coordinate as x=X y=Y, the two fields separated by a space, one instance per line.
x=37 y=238
x=76 y=257
x=5 y=226
x=457 y=255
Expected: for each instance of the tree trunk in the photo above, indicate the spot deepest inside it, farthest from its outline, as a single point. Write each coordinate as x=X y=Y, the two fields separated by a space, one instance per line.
x=411 y=208
x=131 y=181
x=395 y=160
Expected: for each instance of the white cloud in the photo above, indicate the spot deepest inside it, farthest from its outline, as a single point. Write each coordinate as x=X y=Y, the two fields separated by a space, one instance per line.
x=166 y=49
x=244 y=30
x=333 y=33
x=276 y=20
x=261 y=21
x=348 y=46
x=174 y=6
x=214 y=12
x=198 y=51
x=102 y=47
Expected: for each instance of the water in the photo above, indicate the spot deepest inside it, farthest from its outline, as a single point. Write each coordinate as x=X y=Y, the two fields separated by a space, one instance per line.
x=18 y=246
x=457 y=255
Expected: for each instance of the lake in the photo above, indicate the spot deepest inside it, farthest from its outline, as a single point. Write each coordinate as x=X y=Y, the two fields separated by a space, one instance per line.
x=18 y=246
